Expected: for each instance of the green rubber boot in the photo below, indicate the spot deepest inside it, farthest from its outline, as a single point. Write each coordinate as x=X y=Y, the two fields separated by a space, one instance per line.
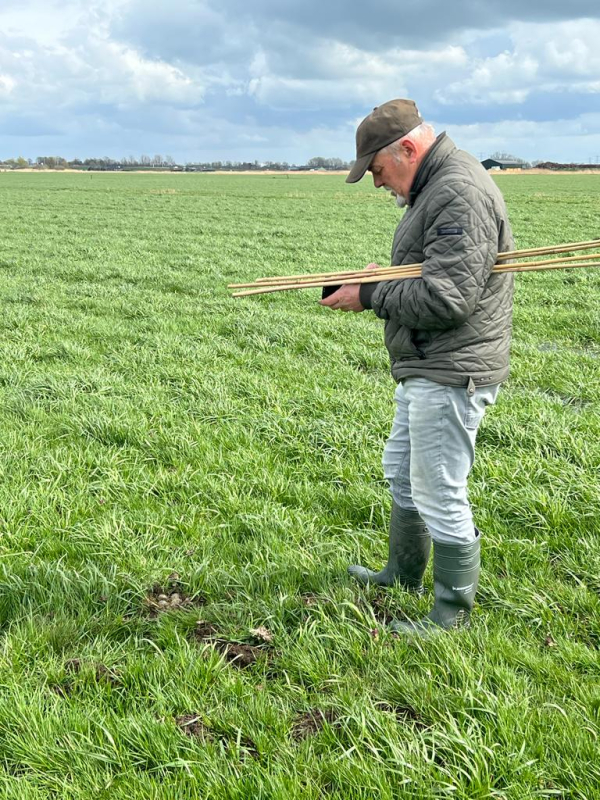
x=455 y=575
x=409 y=545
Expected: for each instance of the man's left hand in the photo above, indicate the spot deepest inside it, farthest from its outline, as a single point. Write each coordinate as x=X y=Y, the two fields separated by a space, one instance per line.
x=345 y=299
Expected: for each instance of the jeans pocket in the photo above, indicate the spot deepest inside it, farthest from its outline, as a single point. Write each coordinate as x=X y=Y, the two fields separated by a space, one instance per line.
x=474 y=412
x=472 y=420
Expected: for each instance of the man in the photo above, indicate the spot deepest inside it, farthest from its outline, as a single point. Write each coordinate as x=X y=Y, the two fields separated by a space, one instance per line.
x=448 y=336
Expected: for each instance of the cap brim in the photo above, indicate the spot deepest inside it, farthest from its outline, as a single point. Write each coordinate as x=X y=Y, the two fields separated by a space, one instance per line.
x=361 y=165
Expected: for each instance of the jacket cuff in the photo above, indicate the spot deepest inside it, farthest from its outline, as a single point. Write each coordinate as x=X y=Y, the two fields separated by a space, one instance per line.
x=366 y=293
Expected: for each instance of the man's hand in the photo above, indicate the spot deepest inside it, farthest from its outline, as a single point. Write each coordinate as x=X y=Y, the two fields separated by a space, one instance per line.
x=347 y=297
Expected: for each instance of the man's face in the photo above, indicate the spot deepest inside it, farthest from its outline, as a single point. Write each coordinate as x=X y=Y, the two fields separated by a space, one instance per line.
x=395 y=172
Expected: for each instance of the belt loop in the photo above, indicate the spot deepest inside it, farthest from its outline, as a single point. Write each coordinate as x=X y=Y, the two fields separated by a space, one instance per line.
x=471 y=387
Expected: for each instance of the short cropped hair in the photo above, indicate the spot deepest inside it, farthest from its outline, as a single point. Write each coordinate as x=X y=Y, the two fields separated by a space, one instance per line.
x=423 y=133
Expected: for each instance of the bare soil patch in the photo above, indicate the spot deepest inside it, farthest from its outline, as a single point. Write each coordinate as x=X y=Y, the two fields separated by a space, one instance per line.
x=403 y=714
x=238 y=654
x=76 y=666
x=193 y=725
x=311 y=722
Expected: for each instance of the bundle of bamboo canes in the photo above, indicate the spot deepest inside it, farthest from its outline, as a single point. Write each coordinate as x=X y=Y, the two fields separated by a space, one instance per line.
x=287 y=282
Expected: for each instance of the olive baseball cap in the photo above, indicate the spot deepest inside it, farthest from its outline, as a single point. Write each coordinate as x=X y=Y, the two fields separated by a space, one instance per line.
x=384 y=125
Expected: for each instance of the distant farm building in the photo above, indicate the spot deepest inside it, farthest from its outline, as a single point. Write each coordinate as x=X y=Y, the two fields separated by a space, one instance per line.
x=498 y=163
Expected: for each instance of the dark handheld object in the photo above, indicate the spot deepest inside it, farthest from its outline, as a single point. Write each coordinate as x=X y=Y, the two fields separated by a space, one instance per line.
x=327 y=290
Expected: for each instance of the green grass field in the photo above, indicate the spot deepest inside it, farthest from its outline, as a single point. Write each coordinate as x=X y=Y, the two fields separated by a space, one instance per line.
x=159 y=438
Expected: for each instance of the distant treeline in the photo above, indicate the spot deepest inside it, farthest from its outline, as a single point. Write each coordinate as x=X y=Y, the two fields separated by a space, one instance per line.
x=565 y=167
x=168 y=163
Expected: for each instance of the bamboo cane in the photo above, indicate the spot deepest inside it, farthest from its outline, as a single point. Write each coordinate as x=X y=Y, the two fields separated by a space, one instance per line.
x=499 y=268
x=334 y=277
x=535 y=251
x=350 y=277
x=393 y=273
x=550 y=249
x=533 y=268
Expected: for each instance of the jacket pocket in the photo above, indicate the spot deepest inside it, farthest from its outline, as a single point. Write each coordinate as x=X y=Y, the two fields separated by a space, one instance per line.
x=400 y=344
x=421 y=341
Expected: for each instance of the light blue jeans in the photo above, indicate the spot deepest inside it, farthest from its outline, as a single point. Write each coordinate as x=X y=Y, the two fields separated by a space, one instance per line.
x=431 y=450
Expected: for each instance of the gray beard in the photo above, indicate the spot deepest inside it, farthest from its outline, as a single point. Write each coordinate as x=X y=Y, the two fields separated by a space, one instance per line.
x=400 y=199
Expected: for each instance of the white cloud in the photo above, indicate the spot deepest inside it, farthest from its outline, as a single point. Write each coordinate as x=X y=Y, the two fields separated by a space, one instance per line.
x=533 y=140
x=118 y=74
x=554 y=57
x=570 y=48
x=286 y=79
x=93 y=70
x=42 y=22
x=7 y=84
x=506 y=78
x=344 y=75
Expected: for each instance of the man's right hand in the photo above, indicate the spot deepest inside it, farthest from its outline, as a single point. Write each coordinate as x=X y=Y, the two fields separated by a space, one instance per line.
x=347 y=296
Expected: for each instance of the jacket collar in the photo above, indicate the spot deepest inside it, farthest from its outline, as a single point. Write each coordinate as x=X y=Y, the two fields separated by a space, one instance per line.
x=434 y=158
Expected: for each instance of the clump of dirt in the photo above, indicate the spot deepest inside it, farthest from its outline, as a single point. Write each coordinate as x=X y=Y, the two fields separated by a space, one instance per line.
x=237 y=654
x=102 y=673
x=193 y=726
x=310 y=600
x=380 y=612
x=75 y=666
x=63 y=690
x=403 y=714
x=378 y=604
x=311 y=722
x=204 y=630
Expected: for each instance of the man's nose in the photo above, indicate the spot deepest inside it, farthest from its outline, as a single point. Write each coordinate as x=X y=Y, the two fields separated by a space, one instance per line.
x=377 y=181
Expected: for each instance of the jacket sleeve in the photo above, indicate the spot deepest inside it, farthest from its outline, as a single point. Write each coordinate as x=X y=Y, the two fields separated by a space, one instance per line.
x=460 y=246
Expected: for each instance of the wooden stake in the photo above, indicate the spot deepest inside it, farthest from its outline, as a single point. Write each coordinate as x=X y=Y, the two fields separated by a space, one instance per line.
x=536 y=266
x=535 y=251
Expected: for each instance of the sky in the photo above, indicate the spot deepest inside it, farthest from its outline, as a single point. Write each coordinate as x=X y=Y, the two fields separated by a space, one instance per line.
x=287 y=80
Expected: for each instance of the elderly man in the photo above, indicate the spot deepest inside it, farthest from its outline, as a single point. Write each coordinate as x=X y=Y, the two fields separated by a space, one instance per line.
x=448 y=336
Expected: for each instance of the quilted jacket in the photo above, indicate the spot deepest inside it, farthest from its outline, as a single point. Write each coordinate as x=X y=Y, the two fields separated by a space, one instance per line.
x=452 y=325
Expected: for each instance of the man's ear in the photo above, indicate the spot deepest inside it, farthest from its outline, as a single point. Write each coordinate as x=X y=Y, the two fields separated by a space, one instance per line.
x=410 y=149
